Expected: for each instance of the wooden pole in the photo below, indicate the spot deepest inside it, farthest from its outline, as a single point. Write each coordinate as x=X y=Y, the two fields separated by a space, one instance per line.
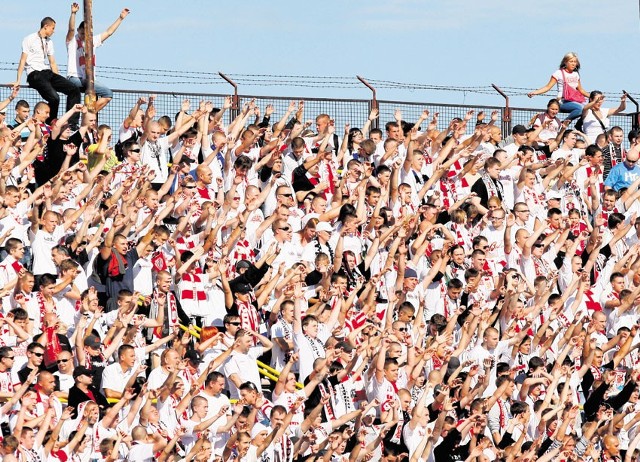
x=90 y=92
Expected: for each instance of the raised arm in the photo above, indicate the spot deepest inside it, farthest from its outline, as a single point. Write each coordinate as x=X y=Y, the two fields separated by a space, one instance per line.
x=72 y=22
x=113 y=27
x=621 y=107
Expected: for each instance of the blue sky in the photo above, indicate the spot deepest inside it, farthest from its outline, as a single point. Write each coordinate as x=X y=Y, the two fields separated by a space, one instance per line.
x=453 y=42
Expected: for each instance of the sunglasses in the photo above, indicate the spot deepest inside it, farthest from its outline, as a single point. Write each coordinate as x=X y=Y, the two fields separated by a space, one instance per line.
x=39 y=355
x=287 y=195
x=402 y=329
x=134 y=150
x=8 y=357
x=235 y=323
x=285 y=229
x=190 y=186
x=60 y=361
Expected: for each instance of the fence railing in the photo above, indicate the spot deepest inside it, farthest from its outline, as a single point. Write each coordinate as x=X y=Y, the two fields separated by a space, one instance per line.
x=352 y=111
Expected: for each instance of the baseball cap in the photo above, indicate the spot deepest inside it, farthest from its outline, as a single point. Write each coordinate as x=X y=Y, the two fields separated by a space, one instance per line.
x=454 y=363
x=259 y=428
x=81 y=370
x=324 y=226
x=243 y=264
x=242 y=288
x=93 y=341
x=410 y=273
x=193 y=356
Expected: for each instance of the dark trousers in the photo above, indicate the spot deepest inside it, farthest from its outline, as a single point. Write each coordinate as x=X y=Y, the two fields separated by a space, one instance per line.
x=48 y=84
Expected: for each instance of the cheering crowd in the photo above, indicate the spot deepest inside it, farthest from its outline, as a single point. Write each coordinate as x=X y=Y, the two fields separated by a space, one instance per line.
x=430 y=291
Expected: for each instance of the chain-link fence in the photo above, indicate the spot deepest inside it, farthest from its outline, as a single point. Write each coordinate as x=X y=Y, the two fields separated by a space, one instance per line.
x=352 y=111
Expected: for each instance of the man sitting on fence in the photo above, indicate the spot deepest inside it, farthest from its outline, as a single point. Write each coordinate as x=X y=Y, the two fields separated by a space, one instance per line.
x=76 y=72
x=42 y=70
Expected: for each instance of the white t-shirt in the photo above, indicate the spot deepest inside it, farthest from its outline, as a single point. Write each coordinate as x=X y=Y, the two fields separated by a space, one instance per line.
x=284 y=330
x=573 y=79
x=38 y=50
x=309 y=350
x=496 y=242
x=156 y=156
x=17 y=219
x=65 y=307
x=547 y=133
x=287 y=400
x=75 y=56
x=413 y=437
x=115 y=379
x=245 y=366
x=141 y=452
x=41 y=245
x=157 y=378
x=590 y=125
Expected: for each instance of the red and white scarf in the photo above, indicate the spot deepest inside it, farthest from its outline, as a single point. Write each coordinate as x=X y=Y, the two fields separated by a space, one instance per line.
x=196 y=292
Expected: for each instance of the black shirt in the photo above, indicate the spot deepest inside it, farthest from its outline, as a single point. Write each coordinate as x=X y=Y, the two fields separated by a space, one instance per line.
x=481 y=190
x=115 y=284
x=54 y=158
x=77 y=396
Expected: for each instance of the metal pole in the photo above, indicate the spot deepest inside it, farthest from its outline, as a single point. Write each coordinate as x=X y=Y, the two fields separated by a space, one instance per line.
x=90 y=92
x=635 y=120
x=235 y=100
x=373 y=104
x=506 y=112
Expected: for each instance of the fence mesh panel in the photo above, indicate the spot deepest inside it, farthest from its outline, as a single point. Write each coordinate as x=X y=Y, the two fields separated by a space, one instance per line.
x=352 y=111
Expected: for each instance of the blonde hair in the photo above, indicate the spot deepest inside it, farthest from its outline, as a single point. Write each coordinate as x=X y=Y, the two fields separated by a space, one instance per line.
x=459 y=216
x=567 y=57
x=495 y=200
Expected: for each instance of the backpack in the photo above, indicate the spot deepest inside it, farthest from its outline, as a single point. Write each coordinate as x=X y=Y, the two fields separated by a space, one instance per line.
x=543 y=118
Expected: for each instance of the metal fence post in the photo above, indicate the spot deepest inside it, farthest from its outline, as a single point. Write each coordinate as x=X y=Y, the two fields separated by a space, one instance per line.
x=235 y=100
x=506 y=112
x=635 y=116
x=373 y=104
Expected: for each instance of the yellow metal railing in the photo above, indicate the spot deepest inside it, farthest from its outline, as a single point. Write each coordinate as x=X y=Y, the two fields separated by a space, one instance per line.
x=264 y=369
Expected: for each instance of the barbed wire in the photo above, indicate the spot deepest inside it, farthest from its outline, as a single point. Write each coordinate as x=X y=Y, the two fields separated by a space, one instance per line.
x=168 y=77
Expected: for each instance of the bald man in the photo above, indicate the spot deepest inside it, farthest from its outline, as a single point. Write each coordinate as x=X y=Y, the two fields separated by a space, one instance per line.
x=204 y=179
x=155 y=150
x=611 y=448
x=145 y=446
x=45 y=386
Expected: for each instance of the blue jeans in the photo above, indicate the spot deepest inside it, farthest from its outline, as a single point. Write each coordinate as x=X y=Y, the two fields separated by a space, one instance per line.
x=101 y=90
x=574 y=109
